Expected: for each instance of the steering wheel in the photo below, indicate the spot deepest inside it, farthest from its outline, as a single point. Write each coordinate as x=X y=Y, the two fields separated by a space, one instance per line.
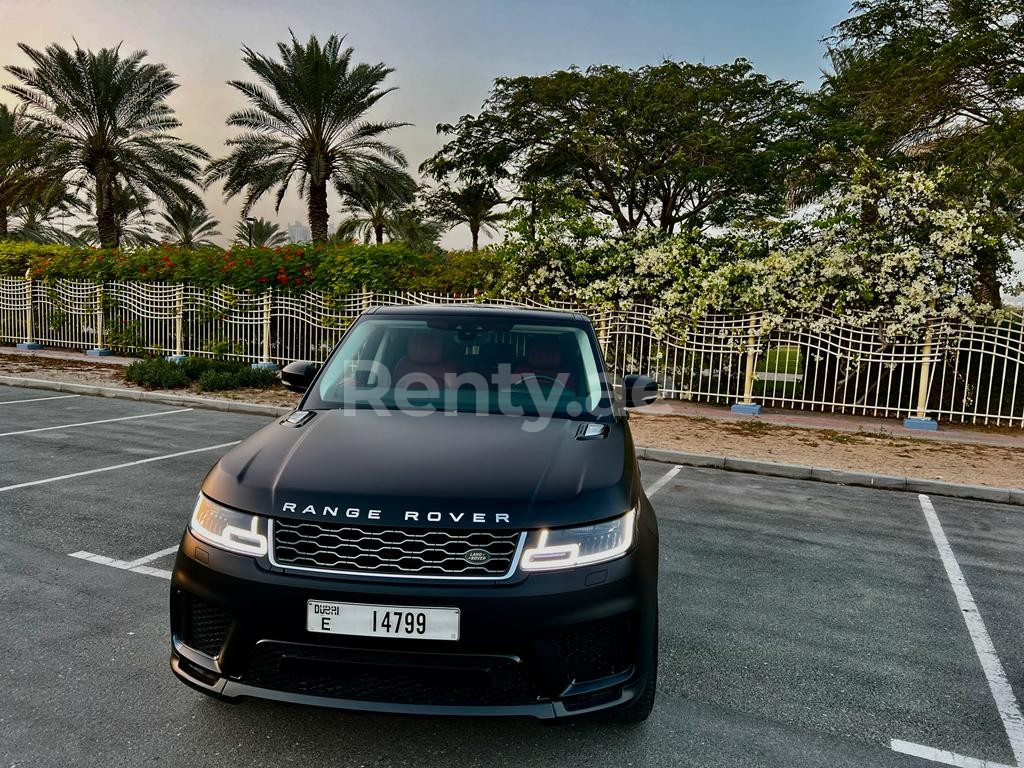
x=537 y=376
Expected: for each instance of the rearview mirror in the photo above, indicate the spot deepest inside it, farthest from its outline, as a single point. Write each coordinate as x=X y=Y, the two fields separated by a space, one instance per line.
x=297 y=376
x=638 y=390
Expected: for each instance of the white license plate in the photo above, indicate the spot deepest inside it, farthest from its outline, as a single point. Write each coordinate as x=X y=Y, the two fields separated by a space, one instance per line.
x=382 y=620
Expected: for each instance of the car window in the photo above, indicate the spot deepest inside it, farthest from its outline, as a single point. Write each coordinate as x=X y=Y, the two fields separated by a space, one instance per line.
x=466 y=364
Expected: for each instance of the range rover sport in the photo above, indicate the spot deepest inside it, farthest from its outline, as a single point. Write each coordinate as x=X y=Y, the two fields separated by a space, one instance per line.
x=450 y=522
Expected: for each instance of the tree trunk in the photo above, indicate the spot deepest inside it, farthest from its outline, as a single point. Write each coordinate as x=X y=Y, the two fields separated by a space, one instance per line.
x=106 y=220
x=317 y=206
x=474 y=230
x=3 y=221
x=378 y=233
x=988 y=288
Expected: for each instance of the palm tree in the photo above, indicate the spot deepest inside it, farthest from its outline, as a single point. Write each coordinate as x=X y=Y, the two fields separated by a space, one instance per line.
x=265 y=234
x=187 y=225
x=131 y=213
x=472 y=204
x=306 y=122
x=110 y=115
x=371 y=206
x=36 y=218
x=26 y=172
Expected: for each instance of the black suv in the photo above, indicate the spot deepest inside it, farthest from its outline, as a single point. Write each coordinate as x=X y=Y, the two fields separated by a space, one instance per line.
x=451 y=522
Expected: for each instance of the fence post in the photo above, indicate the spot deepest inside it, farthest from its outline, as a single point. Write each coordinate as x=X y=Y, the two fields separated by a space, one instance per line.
x=747 y=406
x=99 y=350
x=266 y=362
x=179 y=325
x=920 y=419
x=30 y=320
x=366 y=301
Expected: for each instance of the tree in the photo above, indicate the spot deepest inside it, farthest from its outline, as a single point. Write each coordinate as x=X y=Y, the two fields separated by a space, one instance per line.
x=306 y=123
x=36 y=219
x=371 y=207
x=27 y=172
x=673 y=146
x=472 y=204
x=187 y=225
x=265 y=234
x=110 y=116
x=934 y=83
x=130 y=212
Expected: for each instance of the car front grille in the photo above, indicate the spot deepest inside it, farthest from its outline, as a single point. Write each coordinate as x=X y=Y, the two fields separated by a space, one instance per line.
x=400 y=677
x=595 y=649
x=406 y=552
x=207 y=627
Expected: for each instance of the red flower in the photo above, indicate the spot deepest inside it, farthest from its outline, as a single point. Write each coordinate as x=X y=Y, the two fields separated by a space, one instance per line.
x=282 y=278
x=262 y=280
x=248 y=262
x=142 y=269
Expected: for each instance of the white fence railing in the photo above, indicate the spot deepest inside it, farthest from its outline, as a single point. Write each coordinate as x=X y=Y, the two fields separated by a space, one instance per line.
x=957 y=372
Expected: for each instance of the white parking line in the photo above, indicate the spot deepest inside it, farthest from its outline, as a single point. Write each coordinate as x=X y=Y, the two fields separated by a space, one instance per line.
x=998 y=684
x=90 y=423
x=117 y=466
x=136 y=566
x=662 y=481
x=37 y=399
x=942 y=756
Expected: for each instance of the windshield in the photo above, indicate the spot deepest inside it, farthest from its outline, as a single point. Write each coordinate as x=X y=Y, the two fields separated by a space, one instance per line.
x=475 y=364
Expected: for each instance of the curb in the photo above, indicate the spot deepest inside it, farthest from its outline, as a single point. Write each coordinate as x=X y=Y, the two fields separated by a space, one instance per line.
x=1013 y=496
x=229 y=406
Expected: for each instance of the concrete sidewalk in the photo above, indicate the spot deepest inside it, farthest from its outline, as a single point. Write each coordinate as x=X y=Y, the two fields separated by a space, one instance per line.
x=947 y=433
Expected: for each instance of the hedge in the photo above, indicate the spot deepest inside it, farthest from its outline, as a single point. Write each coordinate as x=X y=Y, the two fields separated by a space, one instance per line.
x=329 y=268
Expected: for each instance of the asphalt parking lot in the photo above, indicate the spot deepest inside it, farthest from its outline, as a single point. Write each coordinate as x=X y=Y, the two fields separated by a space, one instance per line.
x=803 y=624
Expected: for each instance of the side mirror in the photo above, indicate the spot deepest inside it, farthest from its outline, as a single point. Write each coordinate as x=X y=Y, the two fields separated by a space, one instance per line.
x=638 y=390
x=297 y=377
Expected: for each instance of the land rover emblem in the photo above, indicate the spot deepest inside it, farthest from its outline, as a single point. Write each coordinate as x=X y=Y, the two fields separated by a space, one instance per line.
x=477 y=556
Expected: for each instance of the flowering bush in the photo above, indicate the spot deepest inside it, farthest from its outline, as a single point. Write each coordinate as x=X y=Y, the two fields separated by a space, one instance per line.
x=890 y=251
x=331 y=268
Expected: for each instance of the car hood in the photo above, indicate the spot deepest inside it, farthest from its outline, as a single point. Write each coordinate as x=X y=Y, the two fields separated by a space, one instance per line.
x=454 y=469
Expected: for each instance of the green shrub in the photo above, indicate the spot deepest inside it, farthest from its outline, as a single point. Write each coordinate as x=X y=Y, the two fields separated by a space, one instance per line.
x=210 y=374
x=157 y=373
x=216 y=379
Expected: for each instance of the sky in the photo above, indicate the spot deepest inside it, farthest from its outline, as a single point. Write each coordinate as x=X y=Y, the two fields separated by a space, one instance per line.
x=446 y=53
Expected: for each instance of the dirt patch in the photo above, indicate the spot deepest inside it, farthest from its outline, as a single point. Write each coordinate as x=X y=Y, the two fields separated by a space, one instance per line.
x=856 y=451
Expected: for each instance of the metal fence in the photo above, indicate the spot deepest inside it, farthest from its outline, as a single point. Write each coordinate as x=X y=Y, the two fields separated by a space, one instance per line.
x=956 y=372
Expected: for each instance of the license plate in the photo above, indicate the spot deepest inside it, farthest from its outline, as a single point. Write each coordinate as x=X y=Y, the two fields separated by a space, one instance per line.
x=382 y=620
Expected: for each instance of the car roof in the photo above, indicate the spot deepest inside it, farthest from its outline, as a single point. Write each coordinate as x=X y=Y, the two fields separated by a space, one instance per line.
x=481 y=310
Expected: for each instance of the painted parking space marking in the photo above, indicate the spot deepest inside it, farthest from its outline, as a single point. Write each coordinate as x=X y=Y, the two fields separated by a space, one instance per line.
x=135 y=566
x=125 y=465
x=37 y=399
x=91 y=423
x=942 y=756
x=995 y=675
x=662 y=481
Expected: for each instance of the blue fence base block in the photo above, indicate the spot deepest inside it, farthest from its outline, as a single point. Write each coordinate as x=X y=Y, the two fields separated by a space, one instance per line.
x=175 y=358
x=99 y=352
x=927 y=424
x=29 y=345
x=747 y=409
x=265 y=364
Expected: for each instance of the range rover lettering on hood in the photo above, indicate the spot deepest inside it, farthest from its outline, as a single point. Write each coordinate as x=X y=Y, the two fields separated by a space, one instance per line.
x=408 y=515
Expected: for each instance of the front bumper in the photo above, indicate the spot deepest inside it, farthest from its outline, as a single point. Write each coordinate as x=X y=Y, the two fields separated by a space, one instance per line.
x=544 y=645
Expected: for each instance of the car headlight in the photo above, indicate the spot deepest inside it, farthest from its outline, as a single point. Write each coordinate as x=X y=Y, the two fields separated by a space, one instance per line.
x=556 y=548
x=228 y=529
